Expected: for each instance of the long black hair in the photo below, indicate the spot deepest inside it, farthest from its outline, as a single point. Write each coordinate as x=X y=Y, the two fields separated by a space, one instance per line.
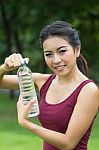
x=66 y=31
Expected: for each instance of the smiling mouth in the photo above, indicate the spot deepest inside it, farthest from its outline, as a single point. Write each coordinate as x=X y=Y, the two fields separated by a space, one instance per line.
x=59 y=68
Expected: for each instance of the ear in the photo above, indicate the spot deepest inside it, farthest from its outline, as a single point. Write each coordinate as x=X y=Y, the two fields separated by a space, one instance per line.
x=77 y=51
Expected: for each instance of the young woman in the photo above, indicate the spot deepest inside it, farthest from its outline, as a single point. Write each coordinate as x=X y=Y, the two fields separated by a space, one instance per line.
x=69 y=100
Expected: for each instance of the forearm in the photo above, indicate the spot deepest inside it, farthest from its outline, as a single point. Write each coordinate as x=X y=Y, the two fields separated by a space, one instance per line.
x=56 y=139
x=3 y=71
x=8 y=81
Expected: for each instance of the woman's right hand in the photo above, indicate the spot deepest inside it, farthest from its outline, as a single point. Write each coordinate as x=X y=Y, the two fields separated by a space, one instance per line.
x=13 y=62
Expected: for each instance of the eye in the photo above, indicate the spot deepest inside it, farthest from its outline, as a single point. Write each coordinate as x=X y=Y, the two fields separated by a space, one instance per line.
x=62 y=51
x=48 y=54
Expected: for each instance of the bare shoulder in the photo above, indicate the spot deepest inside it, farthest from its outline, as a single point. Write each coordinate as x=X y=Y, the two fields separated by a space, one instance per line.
x=90 y=94
x=91 y=88
x=84 y=112
x=40 y=79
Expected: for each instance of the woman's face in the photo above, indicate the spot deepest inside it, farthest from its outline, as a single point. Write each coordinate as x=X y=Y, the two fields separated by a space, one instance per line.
x=59 y=55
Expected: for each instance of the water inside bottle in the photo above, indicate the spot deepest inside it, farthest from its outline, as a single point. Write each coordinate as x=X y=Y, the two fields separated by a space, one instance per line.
x=27 y=91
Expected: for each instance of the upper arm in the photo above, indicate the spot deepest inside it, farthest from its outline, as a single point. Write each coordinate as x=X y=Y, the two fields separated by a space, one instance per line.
x=84 y=112
x=9 y=82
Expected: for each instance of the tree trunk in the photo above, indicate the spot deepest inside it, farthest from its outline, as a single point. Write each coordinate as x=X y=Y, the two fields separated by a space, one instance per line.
x=17 y=42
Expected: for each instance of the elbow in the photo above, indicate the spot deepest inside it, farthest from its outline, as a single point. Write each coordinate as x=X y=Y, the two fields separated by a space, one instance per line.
x=68 y=145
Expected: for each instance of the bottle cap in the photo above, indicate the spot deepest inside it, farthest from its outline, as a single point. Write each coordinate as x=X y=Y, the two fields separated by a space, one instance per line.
x=24 y=61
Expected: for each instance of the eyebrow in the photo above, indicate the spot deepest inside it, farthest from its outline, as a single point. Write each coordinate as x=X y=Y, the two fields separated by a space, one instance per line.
x=56 y=49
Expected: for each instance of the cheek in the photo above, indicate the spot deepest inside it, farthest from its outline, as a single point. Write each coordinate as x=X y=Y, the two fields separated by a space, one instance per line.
x=48 y=61
x=69 y=57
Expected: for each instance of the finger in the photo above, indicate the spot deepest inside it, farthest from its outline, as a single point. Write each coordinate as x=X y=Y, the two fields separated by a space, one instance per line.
x=30 y=105
x=20 y=100
x=31 y=102
x=16 y=59
x=8 y=62
x=11 y=62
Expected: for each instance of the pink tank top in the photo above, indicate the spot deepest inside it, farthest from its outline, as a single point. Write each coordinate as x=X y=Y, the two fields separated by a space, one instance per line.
x=56 y=116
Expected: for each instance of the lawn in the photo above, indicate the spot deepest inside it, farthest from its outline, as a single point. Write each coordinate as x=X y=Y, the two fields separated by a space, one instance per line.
x=14 y=137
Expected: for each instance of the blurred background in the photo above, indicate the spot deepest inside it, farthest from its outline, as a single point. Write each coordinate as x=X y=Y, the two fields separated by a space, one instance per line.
x=20 y=25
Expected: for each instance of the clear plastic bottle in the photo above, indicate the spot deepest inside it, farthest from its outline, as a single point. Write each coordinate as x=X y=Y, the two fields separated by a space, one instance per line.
x=27 y=88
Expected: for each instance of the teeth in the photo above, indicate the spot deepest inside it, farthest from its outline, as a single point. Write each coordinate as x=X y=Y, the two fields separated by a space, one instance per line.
x=59 y=67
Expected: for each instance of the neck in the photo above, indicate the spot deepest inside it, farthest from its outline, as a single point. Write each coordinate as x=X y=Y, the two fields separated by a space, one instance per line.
x=75 y=76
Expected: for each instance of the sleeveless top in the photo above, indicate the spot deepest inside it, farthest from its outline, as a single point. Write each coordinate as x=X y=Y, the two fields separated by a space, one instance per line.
x=56 y=116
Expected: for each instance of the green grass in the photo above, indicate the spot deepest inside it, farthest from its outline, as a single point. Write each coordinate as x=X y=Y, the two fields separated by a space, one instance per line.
x=14 y=137
x=94 y=140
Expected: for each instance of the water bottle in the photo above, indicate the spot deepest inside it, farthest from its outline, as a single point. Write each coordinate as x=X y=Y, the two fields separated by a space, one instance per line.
x=27 y=88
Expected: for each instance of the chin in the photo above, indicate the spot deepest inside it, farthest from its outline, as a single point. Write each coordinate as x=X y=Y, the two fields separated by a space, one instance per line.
x=61 y=74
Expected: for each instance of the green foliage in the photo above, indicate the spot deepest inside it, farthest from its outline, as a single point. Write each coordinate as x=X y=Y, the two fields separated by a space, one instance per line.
x=23 y=21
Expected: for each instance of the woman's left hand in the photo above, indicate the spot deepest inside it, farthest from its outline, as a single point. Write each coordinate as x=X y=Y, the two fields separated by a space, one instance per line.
x=23 y=111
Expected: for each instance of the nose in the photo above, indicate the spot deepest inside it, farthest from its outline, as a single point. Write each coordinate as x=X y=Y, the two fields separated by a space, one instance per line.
x=56 y=59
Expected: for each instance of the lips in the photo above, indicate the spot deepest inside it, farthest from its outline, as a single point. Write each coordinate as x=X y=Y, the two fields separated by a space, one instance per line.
x=60 y=67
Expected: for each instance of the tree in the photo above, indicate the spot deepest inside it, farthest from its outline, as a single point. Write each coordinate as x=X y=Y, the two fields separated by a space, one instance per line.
x=23 y=20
